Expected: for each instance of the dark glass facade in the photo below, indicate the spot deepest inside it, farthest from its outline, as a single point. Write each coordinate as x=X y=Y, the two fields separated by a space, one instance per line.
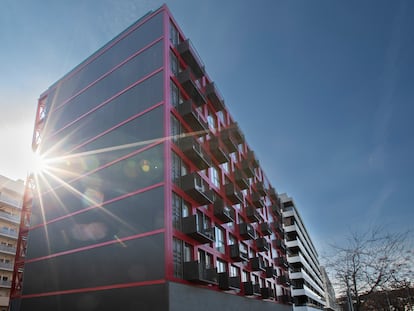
x=150 y=188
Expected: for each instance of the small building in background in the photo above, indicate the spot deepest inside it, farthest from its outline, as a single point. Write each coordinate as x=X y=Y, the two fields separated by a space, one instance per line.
x=11 y=194
x=304 y=269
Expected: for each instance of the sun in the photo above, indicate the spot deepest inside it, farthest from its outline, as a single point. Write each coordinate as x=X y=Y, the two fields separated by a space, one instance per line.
x=37 y=163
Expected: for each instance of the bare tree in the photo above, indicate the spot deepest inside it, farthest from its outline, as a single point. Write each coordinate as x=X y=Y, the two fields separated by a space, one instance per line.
x=368 y=262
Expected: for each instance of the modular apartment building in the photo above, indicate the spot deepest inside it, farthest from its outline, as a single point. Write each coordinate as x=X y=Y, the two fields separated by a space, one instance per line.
x=151 y=199
x=11 y=194
x=304 y=269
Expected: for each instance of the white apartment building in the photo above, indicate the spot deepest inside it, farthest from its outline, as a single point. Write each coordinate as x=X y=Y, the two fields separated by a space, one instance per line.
x=306 y=281
x=11 y=194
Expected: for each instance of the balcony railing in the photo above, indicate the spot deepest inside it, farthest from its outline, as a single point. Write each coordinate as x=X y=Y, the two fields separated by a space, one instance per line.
x=246 y=231
x=237 y=254
x=277 y=227
x=233 y=194
x=214 y=96
x=194 y=151
x=224 y=213
x=196 y=272
x=10 y=201
x=6 y=266
x=9 y=233
x=286 y=299
x=228 y=140
x=241 y=180
x=252 y=214
x=6 y=283
x=280 y=244
x=192 y=117
x=191 y=57
x=270 y=272
x=267 y=293
x=196 y=188
x=283 y=280
x=262 y=245
x=236 y=133
x=13 y=218
x=187 y=81
x=247 y=168
x=260 y=188
x=265 y=228
x=257 y=200
x=281 y=262
x=276 y=210
x=218 y=150
x=227 y=282
x=272 y=193
x=257 y=264
x=194 y=227
x=8 y=249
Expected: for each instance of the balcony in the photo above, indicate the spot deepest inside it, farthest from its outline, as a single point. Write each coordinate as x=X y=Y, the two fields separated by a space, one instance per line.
x=246 y=231
x=277 y=227
x=280 y=244
x=260 y=188
x=257 y=200
x=286 y=299
x=265 y=228
x=6 y=266
x=281 y=262
x=228 y=140
x=196 y=272
x=257 y=264
x=186 y=80
x=8 y=217
x=251 y=157
x=8 y=249
x=190 y=56
x=196 y=188
x=247 y=168
x=237 y=254
x=276 y=210
x=233 y=194
x=283 y=280
x=241 y=180
x=270 y=272
x=194 y=227
x=6 y=284
x=236 y=133
x=272 y=193
x=9 y=233
x=250 y=289
x=192 y=117
x=224 y=213
x=218 y=150
x=267 y=293
x=262 y=245
x=227 y=282
x=193 y=150
x=214 y=96
x=252 y=214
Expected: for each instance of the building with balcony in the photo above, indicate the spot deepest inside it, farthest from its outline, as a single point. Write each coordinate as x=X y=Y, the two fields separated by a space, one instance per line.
x=151 y=198
x=330 y=297
x=305 y=273
x=11 y=194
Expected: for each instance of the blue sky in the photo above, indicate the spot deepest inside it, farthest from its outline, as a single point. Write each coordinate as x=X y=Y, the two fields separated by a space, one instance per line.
x=323 y=91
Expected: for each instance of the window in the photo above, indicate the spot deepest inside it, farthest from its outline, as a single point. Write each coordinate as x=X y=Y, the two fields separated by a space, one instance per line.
x=220 y=240
x=180 y=210
x=206 y=259
x=178 y=168
x=175 y=94
x=215 y=177
x=174 y=35
x=234 y=271
x=245 y=277
x=175 y=69
x=211 y=122
x=178 y=258
x=221 y=266
x=225 y=167
x=232 y=240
